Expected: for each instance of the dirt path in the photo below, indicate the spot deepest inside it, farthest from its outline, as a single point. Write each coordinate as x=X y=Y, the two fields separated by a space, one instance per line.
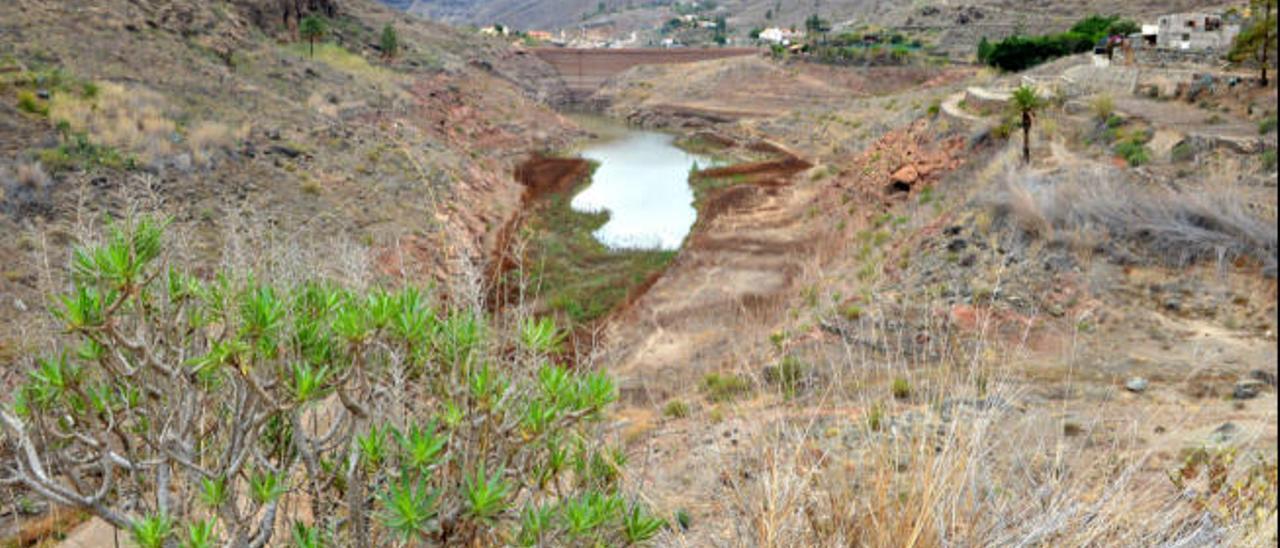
x=951 y=106
x=1186 y=118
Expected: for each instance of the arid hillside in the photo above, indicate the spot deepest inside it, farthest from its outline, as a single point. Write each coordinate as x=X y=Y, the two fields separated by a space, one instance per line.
x=918 y=310
x=219 y=113
x=951 y=26
x=309 y=273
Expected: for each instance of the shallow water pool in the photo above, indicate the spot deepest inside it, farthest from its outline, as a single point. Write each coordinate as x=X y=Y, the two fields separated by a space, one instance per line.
x=642 y=181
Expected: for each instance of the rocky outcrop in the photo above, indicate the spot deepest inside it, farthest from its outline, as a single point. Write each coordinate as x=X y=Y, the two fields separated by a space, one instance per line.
x=903 y=160
x=539 y=80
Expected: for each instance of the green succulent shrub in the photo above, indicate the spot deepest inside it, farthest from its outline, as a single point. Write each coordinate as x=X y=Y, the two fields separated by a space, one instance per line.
x=193 y=410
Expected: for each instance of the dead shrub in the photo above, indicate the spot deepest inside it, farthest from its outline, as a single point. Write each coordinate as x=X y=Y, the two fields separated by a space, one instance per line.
x=25 y=190
x=1173 y=227
x=206 y=138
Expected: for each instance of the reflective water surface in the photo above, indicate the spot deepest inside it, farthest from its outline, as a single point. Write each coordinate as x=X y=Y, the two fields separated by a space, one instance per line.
x=643 y=182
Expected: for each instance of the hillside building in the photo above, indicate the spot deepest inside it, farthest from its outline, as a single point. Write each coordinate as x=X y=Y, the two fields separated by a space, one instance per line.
x=1198 y=31
x=775 y=35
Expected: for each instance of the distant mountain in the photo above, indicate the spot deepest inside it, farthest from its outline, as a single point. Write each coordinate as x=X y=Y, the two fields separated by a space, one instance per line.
x=519 y=14
x=402 y=5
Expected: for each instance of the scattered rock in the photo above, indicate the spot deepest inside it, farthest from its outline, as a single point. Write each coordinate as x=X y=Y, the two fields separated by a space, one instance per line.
x=273 y=134
x=1248 y=389
x=181 y=163
x=1072 y=429
x=906 y=174
x=1224 y=433
x=285 y=150
x=1263 y=376
x=957 y=245
x=1137 y=385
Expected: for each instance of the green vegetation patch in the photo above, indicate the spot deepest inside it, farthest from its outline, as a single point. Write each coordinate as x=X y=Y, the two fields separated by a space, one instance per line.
x=702 y=146
x=703 y=186
x=1017 y=52
x=723 y=387
x=1267 y=125
x=506 y=441
x=78 y=152
x=343 y=60
x=572 y=272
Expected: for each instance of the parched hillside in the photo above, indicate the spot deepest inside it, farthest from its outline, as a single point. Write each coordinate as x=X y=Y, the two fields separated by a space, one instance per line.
x=918 y=334
x=270 y=158
x=310 y=273
x=218 y=112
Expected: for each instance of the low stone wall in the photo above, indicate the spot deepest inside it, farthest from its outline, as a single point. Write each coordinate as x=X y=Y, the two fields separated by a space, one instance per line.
x=1166 y=58
x=985 y=101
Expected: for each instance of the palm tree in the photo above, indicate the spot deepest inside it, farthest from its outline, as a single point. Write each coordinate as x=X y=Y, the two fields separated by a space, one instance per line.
x=312 y=28
x=1026 y=102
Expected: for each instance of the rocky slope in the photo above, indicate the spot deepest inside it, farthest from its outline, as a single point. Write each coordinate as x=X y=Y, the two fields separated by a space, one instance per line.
x=214 y=114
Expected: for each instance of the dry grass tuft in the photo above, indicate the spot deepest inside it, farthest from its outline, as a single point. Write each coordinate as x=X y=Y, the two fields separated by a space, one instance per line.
x=206 y=137
x=25 y=189
x=1173 y=227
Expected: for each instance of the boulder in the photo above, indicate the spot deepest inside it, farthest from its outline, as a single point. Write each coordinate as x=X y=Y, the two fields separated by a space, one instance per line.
x=1248 y=389
x=906 y=174
x=1137 y=385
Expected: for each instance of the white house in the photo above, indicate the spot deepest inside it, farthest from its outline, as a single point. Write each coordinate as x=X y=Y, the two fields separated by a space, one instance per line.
x=775 y=35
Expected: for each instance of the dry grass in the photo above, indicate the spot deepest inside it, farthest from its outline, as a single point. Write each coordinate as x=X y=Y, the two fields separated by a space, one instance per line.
x=205 y=137
x=973 y=467
x=132 y=119
x=1173 y=227
x=141 y=122
x=25 y=189
x=341 y=59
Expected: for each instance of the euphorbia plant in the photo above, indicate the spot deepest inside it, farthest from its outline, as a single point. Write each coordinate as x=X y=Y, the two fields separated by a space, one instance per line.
x=188 y=409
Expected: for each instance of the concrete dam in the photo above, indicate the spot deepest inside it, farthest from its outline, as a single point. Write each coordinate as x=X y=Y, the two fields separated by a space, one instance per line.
x=585 y=70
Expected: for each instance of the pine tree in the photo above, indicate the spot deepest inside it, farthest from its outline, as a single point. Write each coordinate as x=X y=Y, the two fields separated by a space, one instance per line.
x=1257 y=41
x=312 y=28
x=390 y=42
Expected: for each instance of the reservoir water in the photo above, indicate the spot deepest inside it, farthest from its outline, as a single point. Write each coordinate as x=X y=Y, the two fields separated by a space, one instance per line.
x=642 y=181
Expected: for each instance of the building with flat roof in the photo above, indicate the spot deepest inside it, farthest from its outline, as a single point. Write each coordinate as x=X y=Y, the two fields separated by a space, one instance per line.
x=1200 y=31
